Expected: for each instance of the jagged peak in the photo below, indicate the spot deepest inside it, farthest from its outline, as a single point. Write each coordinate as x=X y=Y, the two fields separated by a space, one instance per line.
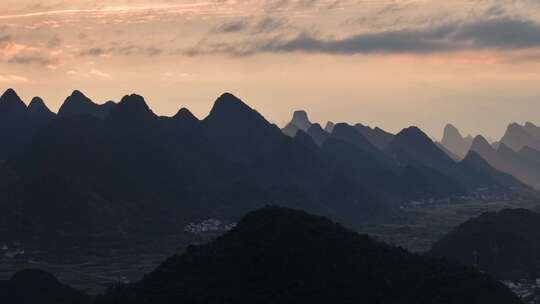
x=316 y=127
x=300 y=115
x=10 y=100
x=480 y=143
x=185 y=114
x=133 y=102
x=329 y=127
x=413 y=132
x=38 y=105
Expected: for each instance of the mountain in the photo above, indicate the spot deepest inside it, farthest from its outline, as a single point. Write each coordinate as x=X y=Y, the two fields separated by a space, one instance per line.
x=147 y=176
x=532 y=129
x=34 y=286
x=448 y=152
x=505 y=244
x=40 y=112
x=481 y=146
x=16 y=124
x=377 y=136
x=78 y=103
x=411 y=146
x=524 y=165
x=454 y=142
x=300 y=121
x=243 y=133
x=329 y=128
x=278 y=255
x=474 y=164
x=516 y=137
x=317 y=133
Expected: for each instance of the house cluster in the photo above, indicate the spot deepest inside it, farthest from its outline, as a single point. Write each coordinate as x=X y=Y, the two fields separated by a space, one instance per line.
x=209 y=225
x=11 y=252
x=528 y=291
x=478 y=195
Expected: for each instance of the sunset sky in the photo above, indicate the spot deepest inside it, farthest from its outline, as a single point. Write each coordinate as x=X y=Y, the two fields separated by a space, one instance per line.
x=383 y=63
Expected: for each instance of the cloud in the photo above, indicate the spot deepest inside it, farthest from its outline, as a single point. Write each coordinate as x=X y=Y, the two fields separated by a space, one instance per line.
x=13 y=78
x=499 y=33
x=100 y=74
x=32 y=59
x=251 y=26
x=128 y=50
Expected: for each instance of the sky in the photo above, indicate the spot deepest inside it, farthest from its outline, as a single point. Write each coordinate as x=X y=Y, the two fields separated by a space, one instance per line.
x=392 y=64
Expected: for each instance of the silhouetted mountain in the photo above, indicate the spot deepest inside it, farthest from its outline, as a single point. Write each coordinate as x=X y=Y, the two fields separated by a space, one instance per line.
x=522 y=166
x=134 y=174
x=376 y=136
x=448 y=152
x=532 y=129
x=474 y=164
x=38 y=287
x=505 y=244
x=481 y=146
x=242 y=132
x=411 y=146
x=317 y=133
x=278 y=255
x=16 y=124
x=530 y=154
x=39 y=111
x=300 y=121
x=78 y=103
x=351 y=135
x=516 y=137
x=329 y=128
x=454 y=142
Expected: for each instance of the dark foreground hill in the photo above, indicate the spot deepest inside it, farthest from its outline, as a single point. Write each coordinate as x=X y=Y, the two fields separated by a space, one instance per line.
x=505 y=244
x=38 y=287
x=278 y=255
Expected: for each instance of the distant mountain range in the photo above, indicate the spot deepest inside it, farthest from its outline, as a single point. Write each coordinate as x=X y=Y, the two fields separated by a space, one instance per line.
x=279 y=255
x=517 y=153
x=120 y=170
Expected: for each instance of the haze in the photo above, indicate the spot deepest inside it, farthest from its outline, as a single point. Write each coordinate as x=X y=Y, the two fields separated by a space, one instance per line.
x=386 y=63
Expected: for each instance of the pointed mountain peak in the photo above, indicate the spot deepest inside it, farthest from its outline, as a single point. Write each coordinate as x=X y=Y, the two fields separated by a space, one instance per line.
x=77 y=97
x=37 y=105
x=10 y=93
x=474 y=158
x=133 y=104
x=131 y=108
x=230 y=109
x=11 y=102
x=185 y=114
x=413 y=133
x=451 y=130
x=329 y=127
x=228 y=102
x=301 y=120
x=480 y=143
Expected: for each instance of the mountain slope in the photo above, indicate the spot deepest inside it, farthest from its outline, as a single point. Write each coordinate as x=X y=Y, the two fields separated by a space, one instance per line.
x=505 y=244
x=78 y=103
x=377 y=136
x=278 y=255
x=38 y=287
x=454 y=142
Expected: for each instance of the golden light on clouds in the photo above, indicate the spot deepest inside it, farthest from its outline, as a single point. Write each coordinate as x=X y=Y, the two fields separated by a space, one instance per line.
x=385 y=63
